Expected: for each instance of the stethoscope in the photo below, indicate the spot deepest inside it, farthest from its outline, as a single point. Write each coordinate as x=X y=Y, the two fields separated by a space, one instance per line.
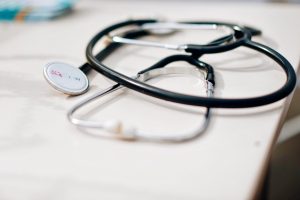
x=73 y=81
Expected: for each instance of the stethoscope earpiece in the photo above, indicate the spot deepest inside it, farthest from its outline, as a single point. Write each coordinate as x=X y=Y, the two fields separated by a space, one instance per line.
x=66 y=78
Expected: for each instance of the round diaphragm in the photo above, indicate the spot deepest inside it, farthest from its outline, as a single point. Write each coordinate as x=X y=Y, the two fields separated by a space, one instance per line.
x=66 y=78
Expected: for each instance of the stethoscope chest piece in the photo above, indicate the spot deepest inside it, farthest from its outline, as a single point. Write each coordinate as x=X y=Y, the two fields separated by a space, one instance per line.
x=66 y=78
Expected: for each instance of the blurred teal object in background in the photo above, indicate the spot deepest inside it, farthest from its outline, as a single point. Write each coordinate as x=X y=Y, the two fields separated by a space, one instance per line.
x=33 y=10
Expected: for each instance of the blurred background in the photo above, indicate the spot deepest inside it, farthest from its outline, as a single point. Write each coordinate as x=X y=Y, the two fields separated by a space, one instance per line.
x=283 y=176
x=33 y=10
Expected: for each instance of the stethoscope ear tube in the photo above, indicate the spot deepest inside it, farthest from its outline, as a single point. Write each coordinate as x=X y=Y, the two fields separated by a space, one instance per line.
x=119 y=130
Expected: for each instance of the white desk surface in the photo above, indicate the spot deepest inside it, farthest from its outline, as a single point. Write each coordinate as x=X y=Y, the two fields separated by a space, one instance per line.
x=42 y=156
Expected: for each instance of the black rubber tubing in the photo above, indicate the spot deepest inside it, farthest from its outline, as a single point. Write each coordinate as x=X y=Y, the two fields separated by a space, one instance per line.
x=139 y=86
